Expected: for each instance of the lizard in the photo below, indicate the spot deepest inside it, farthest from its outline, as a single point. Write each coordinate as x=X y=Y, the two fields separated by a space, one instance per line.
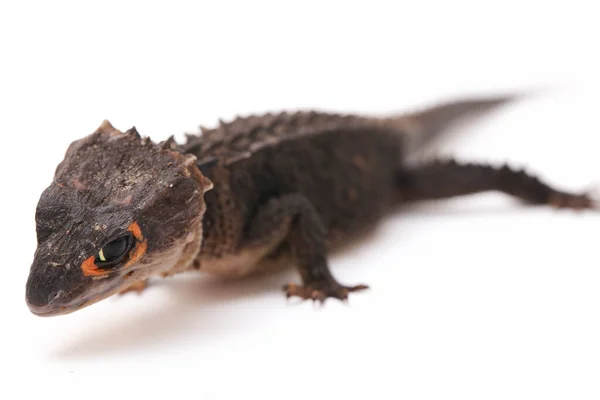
x=258 y=193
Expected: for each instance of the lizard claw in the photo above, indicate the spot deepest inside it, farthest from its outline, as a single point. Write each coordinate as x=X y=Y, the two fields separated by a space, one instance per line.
x=321 y=291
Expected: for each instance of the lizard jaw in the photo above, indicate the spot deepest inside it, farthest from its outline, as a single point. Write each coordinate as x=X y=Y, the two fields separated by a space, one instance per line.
x=56 y=305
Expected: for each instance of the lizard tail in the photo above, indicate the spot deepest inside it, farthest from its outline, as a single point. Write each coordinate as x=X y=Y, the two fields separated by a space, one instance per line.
x=422 y=127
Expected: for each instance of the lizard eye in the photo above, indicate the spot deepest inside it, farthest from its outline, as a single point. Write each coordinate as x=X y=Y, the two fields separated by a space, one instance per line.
x=114 y=252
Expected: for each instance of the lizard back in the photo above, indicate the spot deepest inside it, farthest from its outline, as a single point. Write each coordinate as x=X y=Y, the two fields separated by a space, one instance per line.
x=243 y=136
x=345 y=166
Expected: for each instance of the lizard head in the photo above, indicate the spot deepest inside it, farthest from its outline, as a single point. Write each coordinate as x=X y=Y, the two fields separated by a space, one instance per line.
x=120 y=208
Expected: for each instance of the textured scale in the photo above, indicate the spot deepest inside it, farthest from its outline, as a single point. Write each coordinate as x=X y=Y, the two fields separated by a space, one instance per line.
x=245 y=135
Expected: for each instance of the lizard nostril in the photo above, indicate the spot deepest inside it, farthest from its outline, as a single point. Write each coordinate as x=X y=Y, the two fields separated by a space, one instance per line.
x=55 y=296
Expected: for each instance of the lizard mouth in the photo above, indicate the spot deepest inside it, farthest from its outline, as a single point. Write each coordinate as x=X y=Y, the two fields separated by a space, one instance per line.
x=50 y=310
x=59 y=304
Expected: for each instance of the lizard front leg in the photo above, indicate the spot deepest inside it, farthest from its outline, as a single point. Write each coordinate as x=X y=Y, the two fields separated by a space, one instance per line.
x=137 y=287
x=292 y=220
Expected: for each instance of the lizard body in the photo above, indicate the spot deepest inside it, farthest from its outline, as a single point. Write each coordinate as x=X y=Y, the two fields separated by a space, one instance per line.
x=270 y=190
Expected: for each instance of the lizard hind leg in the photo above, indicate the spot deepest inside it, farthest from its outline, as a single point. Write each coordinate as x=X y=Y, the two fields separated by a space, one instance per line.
x=446 y=179
x=292 y=219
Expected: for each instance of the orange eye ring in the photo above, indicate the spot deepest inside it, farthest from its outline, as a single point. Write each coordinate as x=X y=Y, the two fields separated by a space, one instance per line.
x=89 y=267
x=136 y=231
x=138 y=252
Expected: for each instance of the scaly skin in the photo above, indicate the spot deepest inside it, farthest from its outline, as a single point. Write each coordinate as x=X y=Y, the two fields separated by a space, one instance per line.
x=262 y=191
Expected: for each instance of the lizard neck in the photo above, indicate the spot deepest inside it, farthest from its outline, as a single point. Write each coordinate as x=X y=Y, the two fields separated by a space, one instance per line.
x=189 y=253
x=194 y=238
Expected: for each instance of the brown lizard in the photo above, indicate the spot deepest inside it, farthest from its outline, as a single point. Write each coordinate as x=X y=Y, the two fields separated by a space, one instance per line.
x=255 y=193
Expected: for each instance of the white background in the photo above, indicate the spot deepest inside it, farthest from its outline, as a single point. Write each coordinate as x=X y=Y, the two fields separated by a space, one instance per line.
x=475 y=298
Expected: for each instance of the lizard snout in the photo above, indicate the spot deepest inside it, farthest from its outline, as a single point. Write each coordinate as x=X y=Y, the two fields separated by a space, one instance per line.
x=50 y=289
x=56 y=289
x=40 y=304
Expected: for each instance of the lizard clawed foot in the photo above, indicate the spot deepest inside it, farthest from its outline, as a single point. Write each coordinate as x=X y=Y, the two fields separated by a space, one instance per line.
x=320 y=291
x=137 y=287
